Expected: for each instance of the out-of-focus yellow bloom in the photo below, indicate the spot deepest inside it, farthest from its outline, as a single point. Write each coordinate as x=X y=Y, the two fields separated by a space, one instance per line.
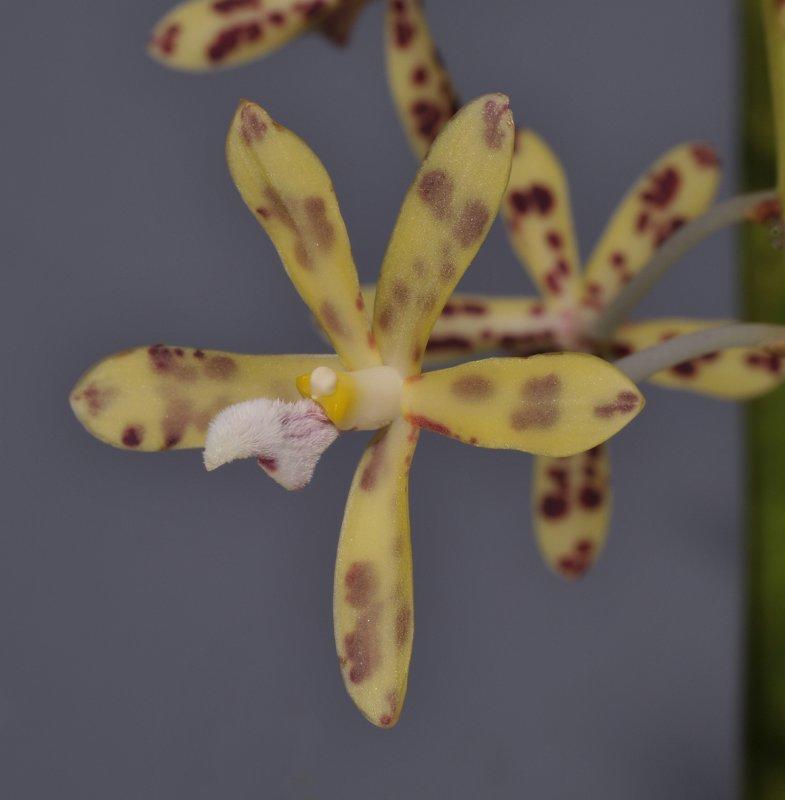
x=572 y=495
x=237 y=406
x=203 y=35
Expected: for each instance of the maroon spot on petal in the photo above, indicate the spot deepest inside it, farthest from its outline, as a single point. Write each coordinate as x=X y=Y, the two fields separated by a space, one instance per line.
x=428 y=118
x=362 y=646
x=553 y=506
x=447 y=271
x=590 y=497
x=400 y=293
x=686 y=369
x=642 y=222
x=539 y=407
x=132 y=436
x=359 y=302
x=230 y=39
x=403 y=31
x=167 y=40
x=419 y=75
x=428 y=424
x=438 y=344
x=276 y=18
x=227 y=6
x=519 y=201
x=95 y=398
x=542 y=198
x=624 y=403
x=323 y=231
x=403 y=621
x=385 y=720
x=199 y=354
x=310 y=8
x=331 y=319
x=667 y=229
x=619 y=349
x=554 y=240
x=492 y=114
x=370 y=474
x=705 y=155
x=252 y=126
x=220 y=368
x=385 y=317
x=662 y=188
x=361 y=584
x=436 y=189
x=472 y=387
x=471 y=223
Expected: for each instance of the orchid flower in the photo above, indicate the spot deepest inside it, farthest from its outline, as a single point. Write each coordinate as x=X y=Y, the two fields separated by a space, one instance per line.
x=202 y=35
x=165 y=397
x=665 y=213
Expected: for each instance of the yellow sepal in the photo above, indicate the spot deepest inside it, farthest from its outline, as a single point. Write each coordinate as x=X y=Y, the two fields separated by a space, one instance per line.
x=163 y=397
x=373 y=599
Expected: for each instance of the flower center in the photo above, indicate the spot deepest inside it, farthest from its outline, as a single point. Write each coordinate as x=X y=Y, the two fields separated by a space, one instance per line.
x=365 y=399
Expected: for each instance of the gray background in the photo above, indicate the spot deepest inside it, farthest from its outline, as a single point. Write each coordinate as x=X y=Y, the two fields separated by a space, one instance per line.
x=167 y=634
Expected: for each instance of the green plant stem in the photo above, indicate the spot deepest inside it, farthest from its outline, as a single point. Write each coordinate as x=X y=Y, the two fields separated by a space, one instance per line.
x=763 y=276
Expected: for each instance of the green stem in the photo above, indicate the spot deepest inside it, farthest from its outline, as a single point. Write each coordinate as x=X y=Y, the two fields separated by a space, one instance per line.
x=763 y=275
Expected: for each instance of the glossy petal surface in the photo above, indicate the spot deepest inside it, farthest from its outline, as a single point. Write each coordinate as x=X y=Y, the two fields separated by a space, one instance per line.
x=209 y=34
x=677 y=188
x=421 y=87
x=289 y=192
x=373 y=601
x=444 y=220
x=556 y=405
x=163 y=397
x=740 y=373
x=572 y=508
x=539 y=222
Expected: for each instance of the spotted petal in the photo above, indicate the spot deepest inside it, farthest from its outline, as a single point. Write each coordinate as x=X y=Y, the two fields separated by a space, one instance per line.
x=373 y=607
x=204 y=35
x=474 y=324
x=740 y=373
x=677 y=188
x=572 y=508
x=290 y=193
x=556 y=405
x=421 y=87
x=163 y=397
x=444 y=220
x=538 y=218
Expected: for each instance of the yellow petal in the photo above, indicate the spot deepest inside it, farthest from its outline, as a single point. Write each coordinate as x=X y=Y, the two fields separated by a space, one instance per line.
x=373 y=600
x=163 y=397
x=556 y=404
x=421 y=87
x=677 y=188
x=444 y=220
x=572 y=508
x=202 y=35
x=538 y=219
x=290 y=193
x=774 y=24
x=740 y=373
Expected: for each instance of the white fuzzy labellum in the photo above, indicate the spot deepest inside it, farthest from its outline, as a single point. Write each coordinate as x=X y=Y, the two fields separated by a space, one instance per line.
x=287 y=439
